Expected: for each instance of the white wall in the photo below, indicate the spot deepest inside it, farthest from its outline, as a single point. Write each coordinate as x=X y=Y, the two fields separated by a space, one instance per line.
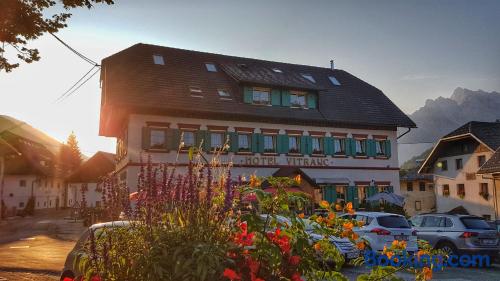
x=92 y=197
x=472 y=201
x=47 y=192
x=137 y=122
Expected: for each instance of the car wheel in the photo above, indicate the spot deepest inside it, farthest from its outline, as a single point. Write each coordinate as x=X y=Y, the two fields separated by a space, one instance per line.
x=448 y=248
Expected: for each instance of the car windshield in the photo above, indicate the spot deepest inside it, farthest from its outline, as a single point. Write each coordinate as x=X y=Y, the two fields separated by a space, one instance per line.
x=393 y=222
x=475 y=223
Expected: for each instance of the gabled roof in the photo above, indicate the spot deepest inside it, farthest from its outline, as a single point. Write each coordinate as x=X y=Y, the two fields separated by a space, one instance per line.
x=97 y=166
x=486 y=133
x=492 y=165
x=24 y=156
x=133 y=83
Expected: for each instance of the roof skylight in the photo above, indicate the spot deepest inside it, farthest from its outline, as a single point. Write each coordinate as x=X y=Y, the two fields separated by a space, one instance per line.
x=158 y=59
x=223 y=93
x=196 y=92
x=334 y=80
x=210 y=67
x=277 y=70
x=309 y=77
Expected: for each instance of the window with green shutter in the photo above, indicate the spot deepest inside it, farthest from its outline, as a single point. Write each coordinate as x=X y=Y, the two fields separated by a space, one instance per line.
x=303 y=145
x=173 y=139
x=282 y=144
x=388 y=148
x=371 y=148
x=244 y=142
x=201 y=136
x=275 y=97
x=329 y=193
x=255 y=143
x=248 y=94
x=233 y=141
x=328 y=145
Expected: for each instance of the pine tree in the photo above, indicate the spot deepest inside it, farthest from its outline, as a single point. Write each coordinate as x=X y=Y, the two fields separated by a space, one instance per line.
x=70 y=155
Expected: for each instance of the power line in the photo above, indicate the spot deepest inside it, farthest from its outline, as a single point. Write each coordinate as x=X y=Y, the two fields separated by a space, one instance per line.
x=75 y=51
x=74 y=85
x=81 y=84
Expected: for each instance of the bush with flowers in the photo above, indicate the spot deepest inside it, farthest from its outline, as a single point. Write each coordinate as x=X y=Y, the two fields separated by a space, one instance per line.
x=190 y=226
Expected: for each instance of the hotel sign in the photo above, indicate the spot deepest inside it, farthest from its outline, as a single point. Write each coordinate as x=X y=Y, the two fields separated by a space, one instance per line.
x=289 y=161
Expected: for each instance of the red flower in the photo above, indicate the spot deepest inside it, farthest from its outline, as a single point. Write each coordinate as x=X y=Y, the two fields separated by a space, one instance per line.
x=68 y=279
x=296 y=277
x=231 y=274
x=294 y=260
x=96 y=278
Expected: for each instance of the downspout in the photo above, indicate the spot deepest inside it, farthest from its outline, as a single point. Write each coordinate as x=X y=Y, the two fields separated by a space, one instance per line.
x=409 y=129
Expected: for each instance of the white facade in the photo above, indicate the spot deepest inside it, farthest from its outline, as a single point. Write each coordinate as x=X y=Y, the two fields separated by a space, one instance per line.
x=93 y=195
x=346 y=170
x=475 y=203
x=17 y=189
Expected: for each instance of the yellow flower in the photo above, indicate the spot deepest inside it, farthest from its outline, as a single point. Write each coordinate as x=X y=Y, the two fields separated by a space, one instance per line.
x=427 y=273
x=331 y=215
x=324 y=204
x=301 y=215
x=298 y=179
x=395 y=243
x=319 y=219
x=317 y=247
x=385 y=249
x=360 y=245
x=361 y=223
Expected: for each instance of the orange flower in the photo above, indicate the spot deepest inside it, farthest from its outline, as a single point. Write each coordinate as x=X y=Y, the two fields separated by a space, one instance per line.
x=349 y=206
x=395 y=243
x=419 y=253
x=319 y=219
x=389 y=254
x=345 y=233
x=324 y=204
x=331 y=215
x=317 y=247
x=361 y=223
x=427 y=273
x=301 y=215
x=385 y=249
x=298 y=179
x=354 y=236
x=360 y=245
x=348 y=225
x=351 y=212
x=338 y=207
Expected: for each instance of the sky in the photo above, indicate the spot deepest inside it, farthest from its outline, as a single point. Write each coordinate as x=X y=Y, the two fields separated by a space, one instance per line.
x=411 y=50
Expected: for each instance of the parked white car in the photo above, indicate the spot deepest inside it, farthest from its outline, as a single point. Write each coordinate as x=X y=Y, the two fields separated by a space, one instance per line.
x=381 y=229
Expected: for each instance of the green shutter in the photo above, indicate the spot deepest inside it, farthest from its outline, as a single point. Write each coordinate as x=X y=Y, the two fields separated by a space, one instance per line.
x=248 y=95
x=350 y=147
x=173 y=139
x=303 y=145
x=275 y=97
x=255 y=143
x=353 y=147
x=350 y=194
x=145 y=138
x=282 y=143
x=355 y=202
x=285 y=98
x=328 y=145
x=233 y=142
x=309 y=148
x=261 y=143
x=311 y=100
x=200 y=137
x=329 y=193
x=388 y=148
x=371 y=151
x=207 y=142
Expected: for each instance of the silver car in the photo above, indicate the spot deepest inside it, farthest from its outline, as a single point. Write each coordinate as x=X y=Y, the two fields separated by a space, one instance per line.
x=69 y=269
x=457 y=234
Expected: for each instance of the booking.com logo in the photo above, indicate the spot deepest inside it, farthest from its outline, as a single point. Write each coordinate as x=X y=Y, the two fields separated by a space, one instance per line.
x=410 y=260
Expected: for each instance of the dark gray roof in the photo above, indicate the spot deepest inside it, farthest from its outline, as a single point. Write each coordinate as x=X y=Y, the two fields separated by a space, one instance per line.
x=492 y=165
x=487 y=132
x=133 y=83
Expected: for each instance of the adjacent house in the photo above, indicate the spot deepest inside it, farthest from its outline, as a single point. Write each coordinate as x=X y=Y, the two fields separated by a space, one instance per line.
x=455 y=162
x=491 y=170
x=418 y=190
x=30 y=171
x=86 y=180
x=275 y=118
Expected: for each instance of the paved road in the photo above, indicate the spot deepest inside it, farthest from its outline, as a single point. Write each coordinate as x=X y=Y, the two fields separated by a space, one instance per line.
x=34 y=248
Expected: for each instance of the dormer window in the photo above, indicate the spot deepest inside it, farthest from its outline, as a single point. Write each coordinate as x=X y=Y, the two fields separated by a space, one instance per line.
x=298 y=99
x=195 y=92
x=223 y=93
x=309 y=77
x=261 y=96
x=210 y=67
x=277 y=70
x=158 y=59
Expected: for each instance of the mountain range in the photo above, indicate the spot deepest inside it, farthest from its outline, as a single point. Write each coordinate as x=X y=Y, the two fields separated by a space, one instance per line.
x=440 y=116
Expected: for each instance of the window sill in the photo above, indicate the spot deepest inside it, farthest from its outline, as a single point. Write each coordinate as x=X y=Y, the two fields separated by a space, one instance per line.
x=381 y=157
x=340 y=156
x=361 y=157
x=244 y=153
x=270 y=154
x=294 y=154
x=318 y=155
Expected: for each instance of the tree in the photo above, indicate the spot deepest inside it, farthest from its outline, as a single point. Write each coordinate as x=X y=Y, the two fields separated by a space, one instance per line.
x=70 y=155
x=25 y=20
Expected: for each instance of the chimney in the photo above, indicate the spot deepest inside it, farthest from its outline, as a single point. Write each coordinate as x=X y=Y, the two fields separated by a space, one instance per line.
x=332 y=65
